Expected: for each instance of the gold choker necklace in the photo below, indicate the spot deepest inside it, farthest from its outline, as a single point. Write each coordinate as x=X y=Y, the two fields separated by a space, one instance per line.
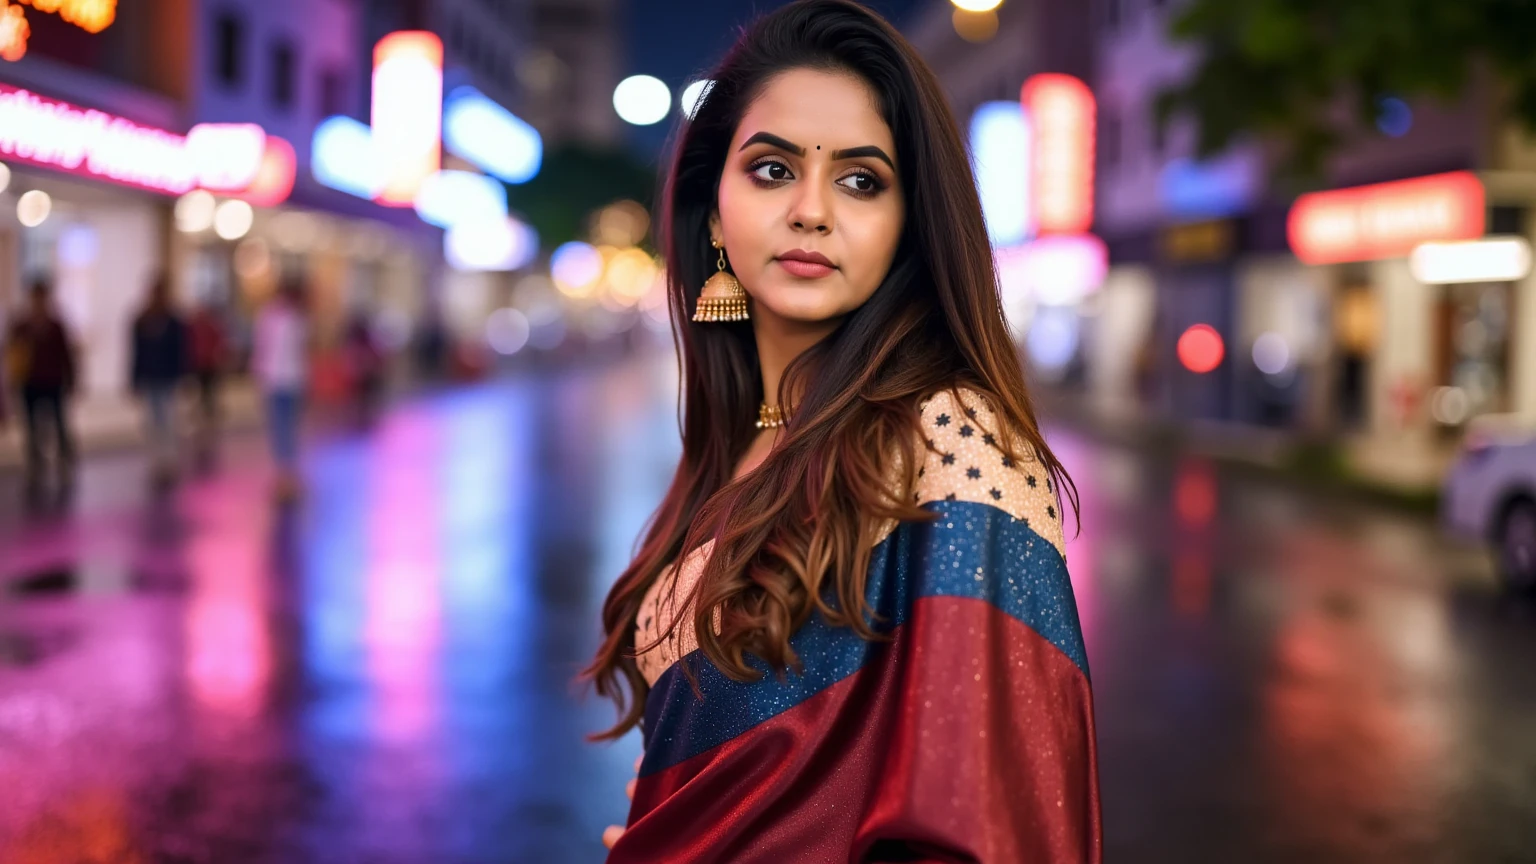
x=769 y=416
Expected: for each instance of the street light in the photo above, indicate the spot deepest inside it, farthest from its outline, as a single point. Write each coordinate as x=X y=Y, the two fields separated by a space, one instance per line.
x=976 y=5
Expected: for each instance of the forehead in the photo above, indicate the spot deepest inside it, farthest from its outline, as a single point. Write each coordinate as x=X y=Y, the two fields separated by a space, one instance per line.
x=812 y=106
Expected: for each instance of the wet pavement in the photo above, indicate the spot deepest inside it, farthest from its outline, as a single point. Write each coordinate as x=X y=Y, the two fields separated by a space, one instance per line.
x=384 y=674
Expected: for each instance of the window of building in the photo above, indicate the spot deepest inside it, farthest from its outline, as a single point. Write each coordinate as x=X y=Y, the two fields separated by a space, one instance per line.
x=333 y=93
x=284 y=69
x=229 y=48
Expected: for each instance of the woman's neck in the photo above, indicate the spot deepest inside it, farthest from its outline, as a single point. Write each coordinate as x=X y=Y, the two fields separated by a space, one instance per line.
x=779 y=342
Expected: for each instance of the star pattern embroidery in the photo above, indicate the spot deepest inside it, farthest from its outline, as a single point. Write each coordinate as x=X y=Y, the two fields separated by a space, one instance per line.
x=973 y=472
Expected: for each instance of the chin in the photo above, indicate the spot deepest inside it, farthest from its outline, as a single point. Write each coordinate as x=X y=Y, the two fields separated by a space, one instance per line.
x=801 y=312
x=805 y=304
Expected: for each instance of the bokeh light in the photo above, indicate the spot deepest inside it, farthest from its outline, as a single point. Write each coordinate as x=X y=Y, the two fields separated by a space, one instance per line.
x=630 y=274
x=32 y=208
x=642 y=100
x=576 y=268
x=233 y=219
x=506 y=331
x=976 y=5
x=1271 y=354
x=975 y=26
x=622 y=223
x=1053 y=338
x=1201 y=349
x=5 y=176
x=194 y=211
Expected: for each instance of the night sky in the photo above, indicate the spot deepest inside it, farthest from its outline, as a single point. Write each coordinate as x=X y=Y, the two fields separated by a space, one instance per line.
x=678 y=40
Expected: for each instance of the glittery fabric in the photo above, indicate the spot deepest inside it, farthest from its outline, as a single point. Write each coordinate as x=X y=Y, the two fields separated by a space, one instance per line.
x=967 y=736
x=963 y=462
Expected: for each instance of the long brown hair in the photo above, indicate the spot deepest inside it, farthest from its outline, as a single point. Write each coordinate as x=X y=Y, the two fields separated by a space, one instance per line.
x=802 y=523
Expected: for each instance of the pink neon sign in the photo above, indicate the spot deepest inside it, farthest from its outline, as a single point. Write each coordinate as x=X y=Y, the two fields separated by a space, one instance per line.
x=89 y=143
x=92 y=143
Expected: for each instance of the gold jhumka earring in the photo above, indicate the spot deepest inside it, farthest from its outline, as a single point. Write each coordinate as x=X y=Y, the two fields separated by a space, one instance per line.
x=723 y=298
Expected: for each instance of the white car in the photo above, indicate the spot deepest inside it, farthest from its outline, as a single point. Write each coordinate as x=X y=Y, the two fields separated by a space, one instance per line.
x=1490 y=497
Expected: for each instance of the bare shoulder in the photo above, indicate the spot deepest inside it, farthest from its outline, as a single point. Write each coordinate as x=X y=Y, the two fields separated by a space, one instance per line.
x=965 y=460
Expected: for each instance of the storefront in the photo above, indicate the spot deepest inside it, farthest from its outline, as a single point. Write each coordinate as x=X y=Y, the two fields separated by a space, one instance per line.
x=98 y=246
x=354 y=269
x=1429 y=313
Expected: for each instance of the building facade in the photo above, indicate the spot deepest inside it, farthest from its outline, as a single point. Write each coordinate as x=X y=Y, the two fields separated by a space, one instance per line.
x=1319 y=335
x=103 y=215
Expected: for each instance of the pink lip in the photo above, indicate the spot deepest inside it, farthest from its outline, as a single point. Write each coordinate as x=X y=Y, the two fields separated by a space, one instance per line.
x=805 y=264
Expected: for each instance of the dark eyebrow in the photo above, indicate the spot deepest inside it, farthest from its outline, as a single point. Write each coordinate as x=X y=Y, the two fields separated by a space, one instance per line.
x=774 y=140
x=866 y=150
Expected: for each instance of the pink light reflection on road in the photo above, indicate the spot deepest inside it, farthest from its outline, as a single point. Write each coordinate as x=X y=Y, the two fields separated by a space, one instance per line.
x=402 y=629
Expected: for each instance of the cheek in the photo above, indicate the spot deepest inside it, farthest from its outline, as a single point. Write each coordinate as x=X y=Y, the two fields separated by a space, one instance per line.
x=743 y=212
x=872 y=241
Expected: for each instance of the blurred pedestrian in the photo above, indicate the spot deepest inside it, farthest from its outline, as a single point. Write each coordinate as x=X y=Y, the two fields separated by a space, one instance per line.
x=365 y=368
x=281 y=364
x=210 y=356
x=160 y=361
x=862 y=582
x=41 y=365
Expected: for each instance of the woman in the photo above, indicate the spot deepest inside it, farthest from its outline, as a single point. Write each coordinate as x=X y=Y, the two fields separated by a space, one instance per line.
x=281 y=362
x=870 y=651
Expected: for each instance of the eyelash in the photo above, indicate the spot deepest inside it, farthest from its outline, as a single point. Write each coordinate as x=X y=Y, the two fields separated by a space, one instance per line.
x=857 y=193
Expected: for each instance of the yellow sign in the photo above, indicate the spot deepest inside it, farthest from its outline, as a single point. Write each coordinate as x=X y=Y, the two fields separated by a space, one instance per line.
x=92 y=16
x=1197 y=242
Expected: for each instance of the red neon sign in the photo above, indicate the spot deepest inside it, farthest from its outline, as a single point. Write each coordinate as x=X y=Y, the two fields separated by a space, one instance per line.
x=407 y=112
x=1386 y=220
x=1061 y=109
x=274 y=178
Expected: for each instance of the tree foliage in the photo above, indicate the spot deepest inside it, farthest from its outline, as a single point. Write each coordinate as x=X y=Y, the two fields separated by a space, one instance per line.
x=1306 y=74
x=574 y=181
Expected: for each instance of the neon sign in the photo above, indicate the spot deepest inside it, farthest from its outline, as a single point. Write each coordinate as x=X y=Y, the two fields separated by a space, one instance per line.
x=407 y=112
x=92 y=143
x=92 y=16
x=274 y=178
x=1386 y=220
x=14 y=32
x=1061 y=108
x=1000 y=145
x=89 y=143
x=491 y=137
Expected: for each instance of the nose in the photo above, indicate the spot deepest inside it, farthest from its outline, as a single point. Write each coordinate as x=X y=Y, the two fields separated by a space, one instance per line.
x=811 y=210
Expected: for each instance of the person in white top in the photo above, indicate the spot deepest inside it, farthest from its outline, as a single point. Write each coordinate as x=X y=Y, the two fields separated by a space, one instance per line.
x=280 y=362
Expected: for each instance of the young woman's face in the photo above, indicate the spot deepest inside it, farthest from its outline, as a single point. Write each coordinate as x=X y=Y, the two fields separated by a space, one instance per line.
x=810 y=174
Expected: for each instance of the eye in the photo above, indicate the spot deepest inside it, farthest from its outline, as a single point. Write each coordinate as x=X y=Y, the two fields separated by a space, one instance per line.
x=770 y=171
x=862 y=182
